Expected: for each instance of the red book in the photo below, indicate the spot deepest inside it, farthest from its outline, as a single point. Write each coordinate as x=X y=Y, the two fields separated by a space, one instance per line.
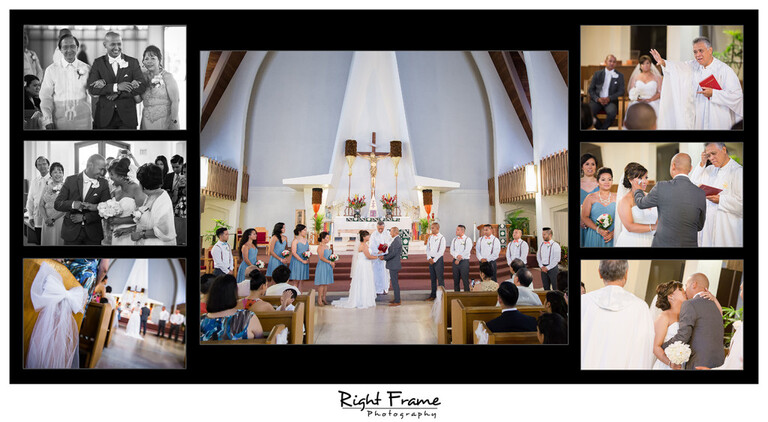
x=709 y=190
x=710 y=82
x=383 y=248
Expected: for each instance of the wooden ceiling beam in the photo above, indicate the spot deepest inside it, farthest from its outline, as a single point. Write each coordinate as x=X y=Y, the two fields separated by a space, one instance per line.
x=561 y=60
x=222 y=73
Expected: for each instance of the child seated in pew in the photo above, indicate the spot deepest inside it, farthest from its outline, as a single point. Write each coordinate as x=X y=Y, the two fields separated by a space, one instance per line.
x=258 y=288
x=511 y=320
x=287 y=299
x=552 y=329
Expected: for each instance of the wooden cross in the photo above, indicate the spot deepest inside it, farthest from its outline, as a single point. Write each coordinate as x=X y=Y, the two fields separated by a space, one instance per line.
x=373 y=157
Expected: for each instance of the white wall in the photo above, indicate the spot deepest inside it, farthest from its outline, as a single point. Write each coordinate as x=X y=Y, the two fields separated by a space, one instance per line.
x=617 y=155
x=710 y=268
x=637 y=278
x=166 y=284
x=679 y=42
x=597 y=42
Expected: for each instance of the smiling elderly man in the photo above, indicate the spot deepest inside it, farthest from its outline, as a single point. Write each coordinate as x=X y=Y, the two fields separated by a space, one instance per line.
x=64 y=99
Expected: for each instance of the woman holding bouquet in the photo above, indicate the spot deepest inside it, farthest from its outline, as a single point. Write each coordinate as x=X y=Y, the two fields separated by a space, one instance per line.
x=299 y=257
x=52 y=219
x=128 y=194
x=324 y=269
x=598 y=212
x=248 y=252
x=275 y=249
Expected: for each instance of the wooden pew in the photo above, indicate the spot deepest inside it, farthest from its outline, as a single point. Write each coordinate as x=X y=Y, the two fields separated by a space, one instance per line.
x=309 y=315
x=542 y=295
x=463 y=317
x=111 y=328
x=31 y=267
x=291 y=319
x=270 y=339
x=504 y=338
x=93 y=333
x=469 y=299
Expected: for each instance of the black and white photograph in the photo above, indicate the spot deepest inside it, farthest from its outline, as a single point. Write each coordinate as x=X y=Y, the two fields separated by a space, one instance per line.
x=105 y=313
x=104 y=77
x=110 y=193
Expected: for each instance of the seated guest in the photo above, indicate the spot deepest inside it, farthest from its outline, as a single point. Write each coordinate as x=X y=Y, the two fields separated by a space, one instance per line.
x=554 y=303
x=31 y=92
x=258 y=289
x=552 y=329
x=280 y=276
x=486 y=283
x=287 y=299
x=640 y=116
x=511 y=320
x=205 y=286
x=526 y=295
x=223 y=320
x=516 y=265
x=605 y=88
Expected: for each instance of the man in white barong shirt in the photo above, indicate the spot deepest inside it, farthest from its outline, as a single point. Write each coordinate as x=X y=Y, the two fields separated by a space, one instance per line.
x=32 y=218
x=64 y=99
x=686 y=105
x=724 y=225
x=380 y=272
x=616 y=326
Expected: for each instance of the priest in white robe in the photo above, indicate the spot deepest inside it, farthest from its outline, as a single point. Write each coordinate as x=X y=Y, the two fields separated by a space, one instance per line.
x=616 y=326
x=684 y=104
x=724 y=225
x=380 y=272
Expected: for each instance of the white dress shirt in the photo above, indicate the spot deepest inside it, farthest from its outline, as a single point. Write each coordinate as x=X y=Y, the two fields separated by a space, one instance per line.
x=548 y=254
x=435 y=247
x=279 y=288
x=177 y=319
x=115 y=63
x=36 y=189
x=488 y=248
x=461 y=246
x=164 y=315
x=87 y=184
x=517 y=249
x=607 y=82
x=222 y=257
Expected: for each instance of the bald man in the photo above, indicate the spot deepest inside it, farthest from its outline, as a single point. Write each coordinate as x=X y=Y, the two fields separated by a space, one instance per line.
x=701 y=326
x=640 y=118
x=605 y=88
x=79 y=198
x=681 y=204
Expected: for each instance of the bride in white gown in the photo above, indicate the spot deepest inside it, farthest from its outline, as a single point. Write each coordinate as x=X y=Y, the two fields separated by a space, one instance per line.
x=134 y=323
x=633 y=227
x=128 y=193
x=645 y=84
x=362 y=291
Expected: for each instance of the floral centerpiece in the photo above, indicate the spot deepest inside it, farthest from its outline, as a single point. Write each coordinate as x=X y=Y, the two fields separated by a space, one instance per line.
x=356 y=203
x=110 y=208
x=604 y=221
x=678 y=352
x=388 y=202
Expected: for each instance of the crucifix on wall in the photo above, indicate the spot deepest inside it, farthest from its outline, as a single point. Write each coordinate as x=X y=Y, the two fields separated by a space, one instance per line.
x=373 y=157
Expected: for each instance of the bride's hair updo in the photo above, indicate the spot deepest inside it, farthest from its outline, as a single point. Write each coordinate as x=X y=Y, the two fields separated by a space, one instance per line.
x=363 y=233
x=665 y=289
x=120 y=167
x=631 y=171
x=644 y=58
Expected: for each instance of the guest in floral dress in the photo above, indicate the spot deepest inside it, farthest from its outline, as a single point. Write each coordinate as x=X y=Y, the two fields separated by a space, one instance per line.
x=161 y=99
x=224 y=321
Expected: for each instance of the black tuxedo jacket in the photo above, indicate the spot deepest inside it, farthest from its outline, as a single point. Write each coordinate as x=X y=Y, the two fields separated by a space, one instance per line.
x=168 y=182
x=615 y=91
x=72 y=190
x=124 y=104
x=144 y=313
x=682 y=212
x=512 y=321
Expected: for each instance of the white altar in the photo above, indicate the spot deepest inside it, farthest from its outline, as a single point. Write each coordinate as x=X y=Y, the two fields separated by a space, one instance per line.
x=345 y=228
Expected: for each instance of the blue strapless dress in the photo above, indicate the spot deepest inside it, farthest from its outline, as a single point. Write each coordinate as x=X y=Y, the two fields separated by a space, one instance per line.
x=324 y=271
x=592 y=239
x=274 y=262
x=252 y=256
x=583 y=195
x=299 y=271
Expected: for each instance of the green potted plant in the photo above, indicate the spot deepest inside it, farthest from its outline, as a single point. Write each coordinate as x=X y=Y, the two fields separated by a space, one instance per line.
x=424 y=228
x=318 y=220
x=733 y=317
x=516 y=222
x=211 y=234
x=733 y=54
x=563 y=264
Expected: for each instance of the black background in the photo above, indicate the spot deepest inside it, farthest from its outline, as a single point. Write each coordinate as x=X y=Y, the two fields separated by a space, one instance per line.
x=466 y=30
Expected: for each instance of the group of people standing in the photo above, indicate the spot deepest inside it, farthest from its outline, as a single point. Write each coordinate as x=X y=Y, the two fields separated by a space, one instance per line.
x=73 y=95
x=70 y=211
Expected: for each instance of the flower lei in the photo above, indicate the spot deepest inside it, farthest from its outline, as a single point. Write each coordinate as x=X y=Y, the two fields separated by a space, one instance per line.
x=157 y=80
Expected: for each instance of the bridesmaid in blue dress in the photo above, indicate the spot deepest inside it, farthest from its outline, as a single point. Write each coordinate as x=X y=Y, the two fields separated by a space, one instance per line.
x=596 y=204
x=277 y=244
x=248 y=252
x=324 y=269
x=588 y=185
x=299 y=265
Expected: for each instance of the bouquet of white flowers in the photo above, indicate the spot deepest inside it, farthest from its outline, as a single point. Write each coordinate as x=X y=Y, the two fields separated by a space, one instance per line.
x=285 y=252
x=110 y=208
x=259 y=264
x=634 y=94
x=604 y=221
x=306 y=254
x=333 y=257
x=678 y=352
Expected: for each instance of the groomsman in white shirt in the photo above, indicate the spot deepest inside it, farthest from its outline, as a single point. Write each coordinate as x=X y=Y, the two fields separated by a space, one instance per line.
x=164 y=316
x=223 y=262
x=517 y=248
x=548 y=257
x=488 y=248
x=435 y=252
x=176 y=320
x=36 y=187
x=461 y=249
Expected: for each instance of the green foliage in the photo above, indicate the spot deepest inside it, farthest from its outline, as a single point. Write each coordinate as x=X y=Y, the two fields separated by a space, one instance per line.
x=318 y=223
x=736 y=159
x=516 y=222
x=733 y=55
x=211 y=234
x=731 y=315
x=563 y=256
x=424 y=225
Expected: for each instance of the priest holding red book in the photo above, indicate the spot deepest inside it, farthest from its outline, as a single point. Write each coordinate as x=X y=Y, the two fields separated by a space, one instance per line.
x=703 y=93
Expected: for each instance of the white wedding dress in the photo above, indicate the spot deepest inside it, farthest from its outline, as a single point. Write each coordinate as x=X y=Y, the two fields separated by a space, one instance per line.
x=134 y=324
x=362 y=291
x=629 y=239
x=644 y=91
x=128 y=206
x=671 y=331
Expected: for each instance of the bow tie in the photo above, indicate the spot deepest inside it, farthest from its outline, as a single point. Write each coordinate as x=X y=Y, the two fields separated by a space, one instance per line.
x=487 y=238
x=547 y=242
x=116 y=59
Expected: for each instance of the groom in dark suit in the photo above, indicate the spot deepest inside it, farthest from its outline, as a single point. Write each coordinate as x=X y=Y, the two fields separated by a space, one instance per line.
x=682 y=206
x=605 y=88
x=116 y=108
x=79 y=198
x=701 y=326
x=393 y=262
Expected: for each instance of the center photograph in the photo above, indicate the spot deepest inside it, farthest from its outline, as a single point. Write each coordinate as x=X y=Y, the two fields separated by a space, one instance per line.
x=384 y=197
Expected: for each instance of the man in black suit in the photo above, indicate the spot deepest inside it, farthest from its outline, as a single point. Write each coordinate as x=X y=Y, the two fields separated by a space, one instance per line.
x=79 y=198
x=605 y=88
x=681 y=204
x=174 y=181
x=511 y=320
x=122 y=80
x=394 y=266
x=144 y=318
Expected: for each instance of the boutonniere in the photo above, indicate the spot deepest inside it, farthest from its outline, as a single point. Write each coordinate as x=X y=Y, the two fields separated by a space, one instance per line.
x=95 y=184
x=81 y=72
x=122 y=64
